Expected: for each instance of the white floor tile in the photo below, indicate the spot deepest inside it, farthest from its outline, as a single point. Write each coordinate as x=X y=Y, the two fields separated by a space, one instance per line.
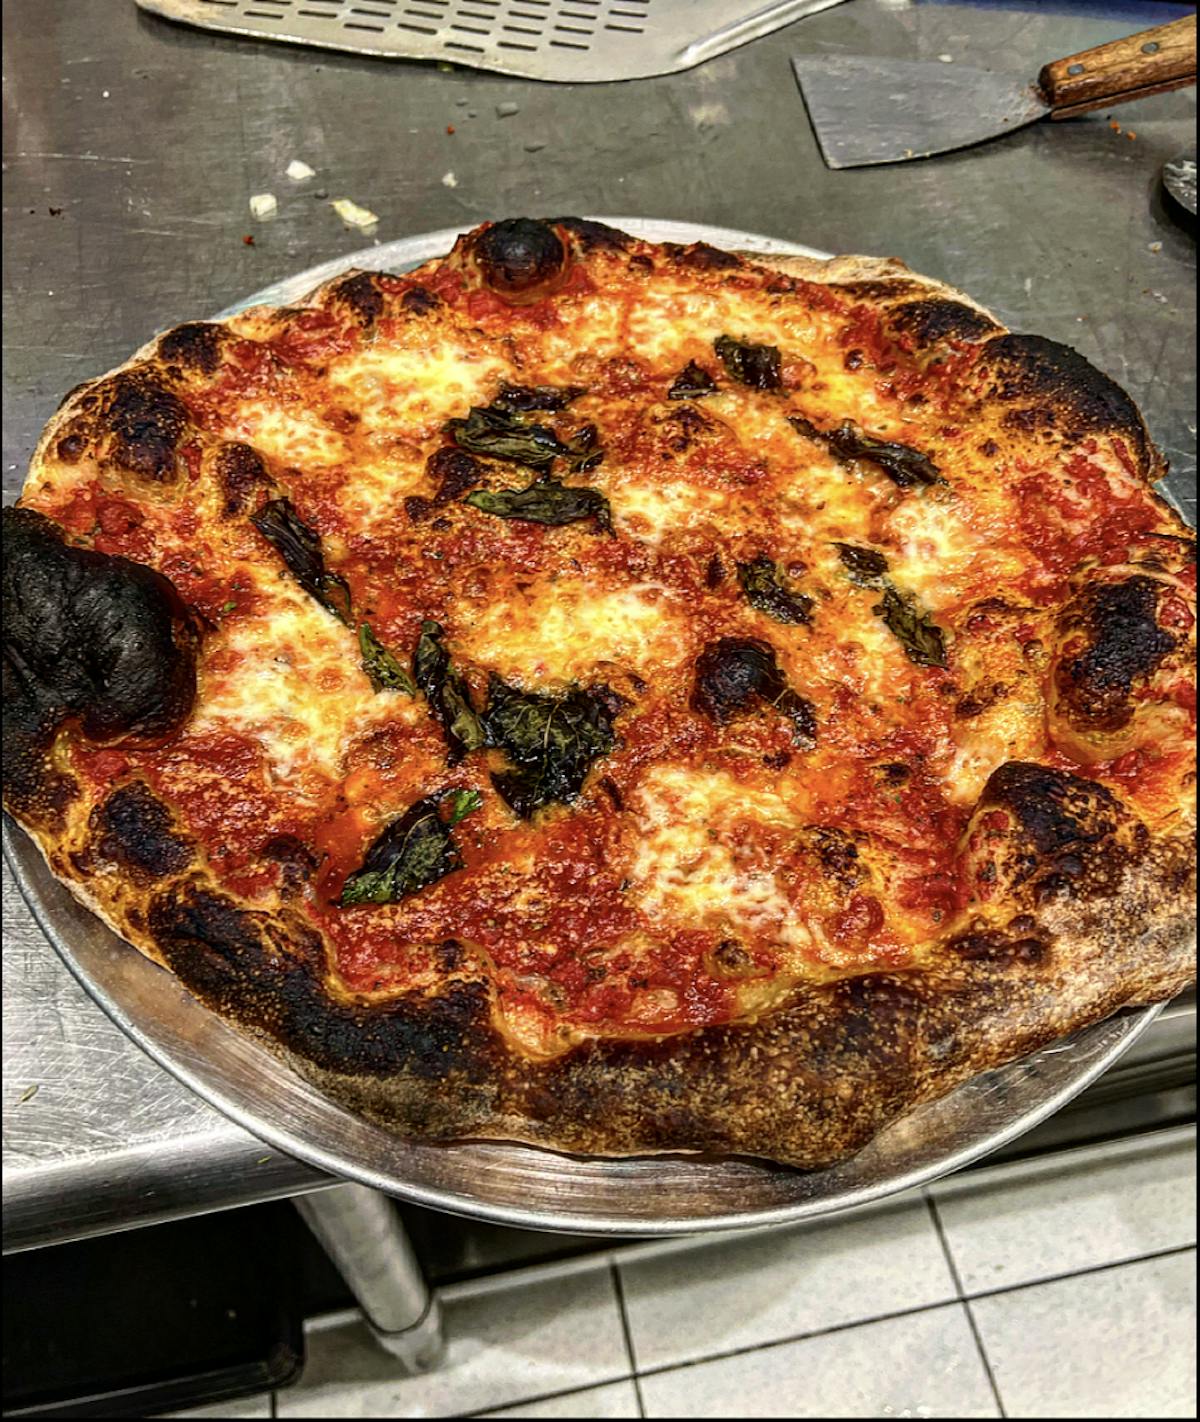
x=250 y=1407
x=1113 y=1206
x=922 y=1365
x=1117 y=1343
x=503 y=1345
x=770 y=1286
x=613 y=1400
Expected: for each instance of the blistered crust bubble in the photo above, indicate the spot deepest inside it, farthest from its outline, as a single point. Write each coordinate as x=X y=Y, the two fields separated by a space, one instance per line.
x=520 y=257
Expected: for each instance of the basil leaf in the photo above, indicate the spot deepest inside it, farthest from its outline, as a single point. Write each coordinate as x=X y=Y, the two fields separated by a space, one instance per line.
x=692 y=383
x=922 y=639
x=750 y=364
x=766 y=591
x=300 y=548
x=447 y=693
x=866 y=566
x=517 y=399
x=383 y=670
x=544 y=501
x=582 y=453
x=902 y=464
x=501 y=435
x=550 y=742
x=413 y=852
x=734 y=675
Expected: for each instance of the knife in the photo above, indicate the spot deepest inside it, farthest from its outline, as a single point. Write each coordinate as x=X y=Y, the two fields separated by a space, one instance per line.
x=868 y=110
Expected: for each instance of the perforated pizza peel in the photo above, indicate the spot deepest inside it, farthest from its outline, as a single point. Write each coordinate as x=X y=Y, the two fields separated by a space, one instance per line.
x=522 y=1185
x=566 y=41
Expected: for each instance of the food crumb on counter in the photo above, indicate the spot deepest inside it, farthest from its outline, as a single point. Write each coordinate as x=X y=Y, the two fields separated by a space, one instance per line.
x=1155 y=247
x=299 y=171
x=449 y=128
x=449 y=180
x=263 y=205
x=352 y=214
x=507 y=109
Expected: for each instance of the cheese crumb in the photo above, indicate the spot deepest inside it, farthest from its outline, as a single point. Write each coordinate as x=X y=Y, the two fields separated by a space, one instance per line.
x=300 y=172
x=263 y=205
x=449 y=180
x=353 y=215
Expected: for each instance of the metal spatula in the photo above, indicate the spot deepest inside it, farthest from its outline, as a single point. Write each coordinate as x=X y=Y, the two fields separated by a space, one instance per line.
x=580 y=41
x=867 y=110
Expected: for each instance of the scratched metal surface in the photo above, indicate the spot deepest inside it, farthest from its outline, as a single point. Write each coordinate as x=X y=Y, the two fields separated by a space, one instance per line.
x=130 y=150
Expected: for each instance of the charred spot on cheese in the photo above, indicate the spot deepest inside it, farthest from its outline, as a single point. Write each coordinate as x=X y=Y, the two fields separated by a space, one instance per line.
x=545 y=501
x=360 y=296
x=904 y=466
x=300 y=548
x=383 y=670
x=865 y=567
x=296 y=861
x=692 y=383
x=240 y=470
x=196 y=345
x=133 y=828
x=700 y=257
x=550 y=741
x=144 y=422
x=1059 y=393
x=923 y=640
x=413 y=852
x=520 y=399
x=1122 y=643
x=420 y=300
x=735 y=675
x=749 y=363
x=520 y=256
x=453 y=473
x=767 y=591
x=89 y=636
x=729 y=960
x=447 y=693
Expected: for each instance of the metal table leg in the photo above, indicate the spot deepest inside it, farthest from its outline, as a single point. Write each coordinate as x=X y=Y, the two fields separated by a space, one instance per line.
x=361 y=1232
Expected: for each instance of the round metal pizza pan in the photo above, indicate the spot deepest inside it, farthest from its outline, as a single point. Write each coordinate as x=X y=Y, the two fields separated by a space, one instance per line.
x=519 y=1185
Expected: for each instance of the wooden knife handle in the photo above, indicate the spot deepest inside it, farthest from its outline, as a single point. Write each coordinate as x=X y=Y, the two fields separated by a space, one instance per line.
x=1147 y=63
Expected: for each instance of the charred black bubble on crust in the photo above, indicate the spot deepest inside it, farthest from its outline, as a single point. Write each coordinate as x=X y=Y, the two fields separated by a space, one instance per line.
x=360 y=295
x=734 y=675
x=145 y=422
x=1123 y=643
x=267 y=972
x=1053 y=388
x=700 y=257
x=518 y=255
x=930 y=322
x=88 y=636
x=593 y=236
x=133 y=829
x=196 y=345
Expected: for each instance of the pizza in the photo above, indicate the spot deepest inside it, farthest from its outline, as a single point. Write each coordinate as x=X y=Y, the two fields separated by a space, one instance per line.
x=618 y=696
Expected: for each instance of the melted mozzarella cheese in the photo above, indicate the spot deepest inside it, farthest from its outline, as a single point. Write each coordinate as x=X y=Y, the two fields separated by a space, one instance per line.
x=417 y=387
x=564 y=629
x=296 y=687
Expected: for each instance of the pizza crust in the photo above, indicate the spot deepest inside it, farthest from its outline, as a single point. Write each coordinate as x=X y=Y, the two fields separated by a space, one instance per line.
x=811 y=1081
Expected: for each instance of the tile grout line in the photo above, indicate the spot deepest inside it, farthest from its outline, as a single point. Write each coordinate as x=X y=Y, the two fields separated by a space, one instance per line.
x=952 y=1265
x=903 y=1313
x=619 y=1289
x=546 y=1396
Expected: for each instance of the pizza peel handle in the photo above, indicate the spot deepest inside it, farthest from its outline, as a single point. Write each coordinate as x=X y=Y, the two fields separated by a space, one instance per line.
x=1150 y=62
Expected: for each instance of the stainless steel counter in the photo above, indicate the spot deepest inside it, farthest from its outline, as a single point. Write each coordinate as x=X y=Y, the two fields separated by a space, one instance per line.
x=130 y=152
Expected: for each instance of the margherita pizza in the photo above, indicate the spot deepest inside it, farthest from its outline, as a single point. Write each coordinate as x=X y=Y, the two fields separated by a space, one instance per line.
x=619 y=696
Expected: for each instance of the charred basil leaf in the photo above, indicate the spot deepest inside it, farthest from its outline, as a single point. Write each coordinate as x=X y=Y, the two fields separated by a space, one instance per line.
x=499 y=434
x=550 y=741
x=545 y=501
x=750 y=364
x=866 y=567
x=902 y=464
x=517 y=399
x=766 y=590
x=736 y=674
x=447 y=694
x=413 y=852
x=922 y=639
x=300 y=548
x=692 y=383
x=383 y=670
x=582 y=450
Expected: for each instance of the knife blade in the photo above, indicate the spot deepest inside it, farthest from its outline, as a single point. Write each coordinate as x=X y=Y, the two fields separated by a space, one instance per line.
x=867 y=110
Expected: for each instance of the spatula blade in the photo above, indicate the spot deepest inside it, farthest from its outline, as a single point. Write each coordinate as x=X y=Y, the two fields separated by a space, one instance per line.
x=866 y=110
